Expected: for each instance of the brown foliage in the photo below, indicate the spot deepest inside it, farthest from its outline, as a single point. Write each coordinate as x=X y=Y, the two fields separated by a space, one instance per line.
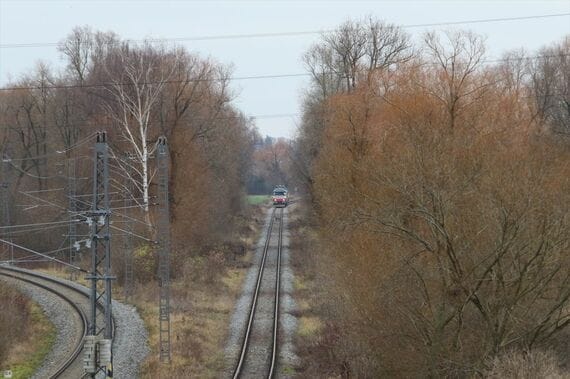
x=136 y=92
x=445 y=216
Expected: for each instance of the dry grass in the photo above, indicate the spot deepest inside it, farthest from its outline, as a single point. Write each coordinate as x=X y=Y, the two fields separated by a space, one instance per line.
x=309 y=326
x=202 y=305
x=200 y=319
x=299 y=284
x=202 y=302
x=314 y=334
x=28 y=351
x=526 y=365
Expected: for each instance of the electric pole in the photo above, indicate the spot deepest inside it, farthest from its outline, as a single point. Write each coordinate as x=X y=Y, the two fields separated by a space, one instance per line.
x=163 y=249
x=72 y=204
x=98 y=343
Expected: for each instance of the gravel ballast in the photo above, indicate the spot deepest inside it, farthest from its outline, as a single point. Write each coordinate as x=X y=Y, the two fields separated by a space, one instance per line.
x=130 y=346
x=130 y=343
x=57 y=311
x=287 y=322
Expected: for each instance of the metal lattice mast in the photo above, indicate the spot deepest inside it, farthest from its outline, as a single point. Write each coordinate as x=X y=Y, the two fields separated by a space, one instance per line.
x=5 y=193
x=128 y=240
x=164 y=249
x=100 y=337
x=72 y=204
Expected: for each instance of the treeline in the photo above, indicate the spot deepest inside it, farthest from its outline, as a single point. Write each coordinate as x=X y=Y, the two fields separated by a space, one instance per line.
x=271 y=166
x=136 y=92
x=440 y=181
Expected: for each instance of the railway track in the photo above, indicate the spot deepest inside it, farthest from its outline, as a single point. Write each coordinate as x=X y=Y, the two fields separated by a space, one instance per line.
x=66 y=365
x=259 y=348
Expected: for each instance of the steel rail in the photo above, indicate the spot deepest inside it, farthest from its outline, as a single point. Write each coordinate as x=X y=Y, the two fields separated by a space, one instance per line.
x=79 y=348
x=253 y=306
x=77 y=351
x=277 y=288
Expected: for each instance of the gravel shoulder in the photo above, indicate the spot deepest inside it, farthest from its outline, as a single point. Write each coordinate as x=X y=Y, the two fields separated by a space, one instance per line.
x=57 y=311
x=130 y=344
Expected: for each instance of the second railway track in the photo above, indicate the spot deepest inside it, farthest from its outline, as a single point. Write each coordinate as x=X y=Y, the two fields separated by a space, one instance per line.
x=68 y=363
x=259 y=347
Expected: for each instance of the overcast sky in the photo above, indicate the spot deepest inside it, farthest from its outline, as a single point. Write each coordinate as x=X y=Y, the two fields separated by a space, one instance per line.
x=275 y=100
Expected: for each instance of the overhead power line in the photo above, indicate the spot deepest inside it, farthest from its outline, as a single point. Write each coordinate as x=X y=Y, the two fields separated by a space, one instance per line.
x=38 y=224
x=12 y=233
x=486 y=20
x=57 y=152
x=293 y=33
x=252 y=77
x=40 y=254
x=107 y=84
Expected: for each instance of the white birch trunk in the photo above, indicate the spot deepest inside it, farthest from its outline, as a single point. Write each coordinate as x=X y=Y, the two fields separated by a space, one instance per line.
x=137 y=106
x=145 y=179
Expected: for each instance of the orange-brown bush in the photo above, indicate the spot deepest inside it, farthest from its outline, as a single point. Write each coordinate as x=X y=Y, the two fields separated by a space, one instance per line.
x=447 y=227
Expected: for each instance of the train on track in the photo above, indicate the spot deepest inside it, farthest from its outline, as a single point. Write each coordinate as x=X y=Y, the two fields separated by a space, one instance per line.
x=280 y=196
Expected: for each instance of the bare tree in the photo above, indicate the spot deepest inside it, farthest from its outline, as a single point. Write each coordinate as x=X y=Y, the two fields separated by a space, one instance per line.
x=67 y=116
x=137 y=75
x=85 y=51
x=197 y=94
x=28 y=114
x=78 y=47
x=352 y=55
x=354 y=51
x=458 y=58
x=550 y=83
x=326 y=80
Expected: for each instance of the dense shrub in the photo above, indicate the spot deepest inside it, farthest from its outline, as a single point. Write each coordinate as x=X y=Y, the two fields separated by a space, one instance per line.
x=443 y=208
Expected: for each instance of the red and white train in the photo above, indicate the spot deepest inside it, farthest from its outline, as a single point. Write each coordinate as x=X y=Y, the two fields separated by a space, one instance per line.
x=280 y=196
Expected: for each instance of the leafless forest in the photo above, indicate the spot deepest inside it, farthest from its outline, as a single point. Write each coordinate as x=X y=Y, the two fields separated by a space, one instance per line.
x=136 y=92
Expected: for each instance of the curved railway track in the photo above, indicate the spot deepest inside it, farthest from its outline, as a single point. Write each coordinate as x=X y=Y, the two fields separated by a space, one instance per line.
x=78 y=299
x=259 y=347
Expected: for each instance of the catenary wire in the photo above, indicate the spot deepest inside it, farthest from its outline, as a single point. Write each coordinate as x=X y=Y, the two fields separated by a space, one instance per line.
x=293 y=33
x=251 y=77
x=59 y=152
x=41 y=254
x=37 y=224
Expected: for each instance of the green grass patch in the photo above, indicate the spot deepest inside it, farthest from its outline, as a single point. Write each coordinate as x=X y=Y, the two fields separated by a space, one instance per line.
x=288 y=370
x=299 y=284
x=309 y=326
x=43 y=337
x=257 y=199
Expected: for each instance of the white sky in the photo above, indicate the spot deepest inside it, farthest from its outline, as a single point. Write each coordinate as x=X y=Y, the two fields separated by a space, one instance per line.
x=50 y=21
